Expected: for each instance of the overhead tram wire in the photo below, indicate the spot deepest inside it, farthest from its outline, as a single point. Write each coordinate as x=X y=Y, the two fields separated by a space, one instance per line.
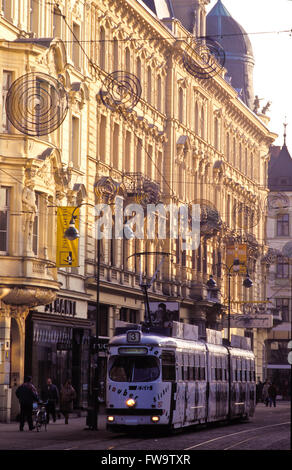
x=96 y=68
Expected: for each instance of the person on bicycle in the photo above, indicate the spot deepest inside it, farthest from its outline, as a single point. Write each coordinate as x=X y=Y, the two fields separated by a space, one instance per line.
x=27 y=395
x=50 y=395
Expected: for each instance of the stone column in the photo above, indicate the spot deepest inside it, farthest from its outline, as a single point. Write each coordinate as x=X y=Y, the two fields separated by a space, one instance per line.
x=5 y=391
x=12 y=326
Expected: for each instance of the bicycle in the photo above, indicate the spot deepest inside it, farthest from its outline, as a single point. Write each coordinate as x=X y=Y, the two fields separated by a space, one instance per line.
x=40 y=415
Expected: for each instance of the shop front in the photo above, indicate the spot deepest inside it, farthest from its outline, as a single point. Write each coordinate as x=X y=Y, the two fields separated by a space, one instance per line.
x=58 y=346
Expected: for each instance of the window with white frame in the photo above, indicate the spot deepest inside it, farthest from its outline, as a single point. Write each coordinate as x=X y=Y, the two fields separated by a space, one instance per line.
x=6 y=82
x=6 y=8
x=4 y=218
x=34 y=16
x=57 y=23
x=76 y=47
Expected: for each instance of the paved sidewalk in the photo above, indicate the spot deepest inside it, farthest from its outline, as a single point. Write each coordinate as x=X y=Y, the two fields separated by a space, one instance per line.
x=75 y=421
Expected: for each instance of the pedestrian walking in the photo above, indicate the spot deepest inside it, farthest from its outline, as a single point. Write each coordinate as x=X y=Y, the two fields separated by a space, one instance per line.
x=265 y=394
x=67 y=396
x=272 y=393
x=27 y=395
x=50 y=395
x=259 y=390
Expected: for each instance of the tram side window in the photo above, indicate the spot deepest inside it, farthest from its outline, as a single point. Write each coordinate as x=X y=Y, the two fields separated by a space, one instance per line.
x=238 y=366
x=168 y=366
x=185 y=372
x=218 y=370
x=244 y=378
x=191 y=367
x=234 y=372
x=202 y=373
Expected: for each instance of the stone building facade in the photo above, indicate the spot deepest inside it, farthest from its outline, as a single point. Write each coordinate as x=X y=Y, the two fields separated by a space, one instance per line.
x=189 y=140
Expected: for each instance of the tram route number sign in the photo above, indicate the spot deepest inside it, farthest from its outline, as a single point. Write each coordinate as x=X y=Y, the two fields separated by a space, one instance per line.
x=133 y=337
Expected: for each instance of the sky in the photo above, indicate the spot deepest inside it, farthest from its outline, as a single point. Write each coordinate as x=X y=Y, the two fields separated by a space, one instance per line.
x=272 y=54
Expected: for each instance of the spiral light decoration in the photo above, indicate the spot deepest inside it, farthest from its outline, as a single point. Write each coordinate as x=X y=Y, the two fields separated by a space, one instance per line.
x=210 y=220
x=106 y=189
x=204 y=58
x=277 y=202
x=36 y=104
x=121 y=88
x=246 y=216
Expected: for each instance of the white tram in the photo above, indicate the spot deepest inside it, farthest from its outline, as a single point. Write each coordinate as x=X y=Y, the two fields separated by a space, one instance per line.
x=165 y=381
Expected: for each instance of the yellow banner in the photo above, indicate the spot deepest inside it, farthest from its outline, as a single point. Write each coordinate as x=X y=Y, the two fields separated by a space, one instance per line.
x=237 y=252
x=67 y=250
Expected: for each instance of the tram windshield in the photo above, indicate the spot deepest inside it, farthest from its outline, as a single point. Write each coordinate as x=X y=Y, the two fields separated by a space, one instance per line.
x=133 y=369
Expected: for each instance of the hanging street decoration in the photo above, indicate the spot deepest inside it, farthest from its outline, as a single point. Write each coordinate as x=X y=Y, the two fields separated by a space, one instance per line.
x=36 y=104
x=246 y=216
x=67 y=250
x=120 y=89
x=204 y=58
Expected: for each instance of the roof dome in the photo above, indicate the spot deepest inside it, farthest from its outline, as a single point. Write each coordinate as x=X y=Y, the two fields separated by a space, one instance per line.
x=237 y=46
x=219 y=21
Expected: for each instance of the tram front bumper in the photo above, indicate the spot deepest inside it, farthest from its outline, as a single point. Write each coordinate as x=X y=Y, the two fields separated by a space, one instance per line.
x=127 y=417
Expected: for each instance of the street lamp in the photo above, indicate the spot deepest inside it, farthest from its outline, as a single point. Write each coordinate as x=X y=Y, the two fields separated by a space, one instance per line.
x=72 y=234
x=247 y=283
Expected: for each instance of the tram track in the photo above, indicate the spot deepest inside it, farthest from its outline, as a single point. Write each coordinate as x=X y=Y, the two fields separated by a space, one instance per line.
x=230 y=435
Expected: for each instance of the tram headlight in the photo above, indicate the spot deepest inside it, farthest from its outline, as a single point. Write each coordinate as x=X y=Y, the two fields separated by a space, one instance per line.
x=130 y=402
x=155 y=419
x=110 y=419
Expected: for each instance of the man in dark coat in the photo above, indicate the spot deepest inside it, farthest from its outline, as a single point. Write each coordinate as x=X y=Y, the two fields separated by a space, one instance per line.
x=272 y=392
x=50 y=394
x=26 y=394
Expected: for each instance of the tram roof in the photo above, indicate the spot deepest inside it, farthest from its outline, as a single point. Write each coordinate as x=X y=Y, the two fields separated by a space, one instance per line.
x=150 y=339
x=159 y=341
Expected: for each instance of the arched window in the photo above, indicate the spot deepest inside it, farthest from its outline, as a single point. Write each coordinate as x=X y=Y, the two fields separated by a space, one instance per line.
x=234 y=151
x=102 y=48
x=149 y=85
x=127 y=157
x=196 y=118
x=181 y=105
x=202 y=123
x=159 y=94
x=115 y=152
x=251 y=165
x=245 y=162
x=127 y=60
x=227 y=147
x=57 y=23
x=115 y=55
x=216 y=133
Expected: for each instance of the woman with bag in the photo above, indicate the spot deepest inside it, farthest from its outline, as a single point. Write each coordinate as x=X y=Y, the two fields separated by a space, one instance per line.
x=67 y=397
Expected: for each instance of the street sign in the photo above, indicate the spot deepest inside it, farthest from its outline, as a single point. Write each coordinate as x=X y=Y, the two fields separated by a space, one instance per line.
x=261 y=320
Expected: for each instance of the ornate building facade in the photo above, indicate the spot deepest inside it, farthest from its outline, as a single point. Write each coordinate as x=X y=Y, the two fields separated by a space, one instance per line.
x=190 y=140
x=279 y=285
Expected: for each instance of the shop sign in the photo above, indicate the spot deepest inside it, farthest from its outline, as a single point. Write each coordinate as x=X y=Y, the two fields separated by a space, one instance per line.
x=63 y=306
x=250 y=321
x=98 y=345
